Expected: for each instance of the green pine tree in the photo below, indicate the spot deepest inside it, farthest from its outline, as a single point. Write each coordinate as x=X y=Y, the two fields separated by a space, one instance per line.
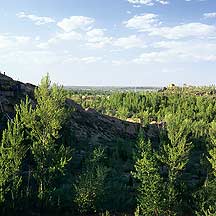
x=207 y=194
x=12 y=152
x=44 y=123
x=90 y=185
x=173 y=155
x=150 y=183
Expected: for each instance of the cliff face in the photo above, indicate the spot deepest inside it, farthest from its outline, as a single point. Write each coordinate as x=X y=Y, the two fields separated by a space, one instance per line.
x=11 y=93
x=85 y=125
x=95 y=128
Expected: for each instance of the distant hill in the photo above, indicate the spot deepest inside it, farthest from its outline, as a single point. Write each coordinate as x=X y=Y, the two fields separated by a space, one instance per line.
x=113 y=88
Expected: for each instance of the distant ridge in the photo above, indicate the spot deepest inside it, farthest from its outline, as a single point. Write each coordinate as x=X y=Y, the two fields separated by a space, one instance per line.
x=114 y=88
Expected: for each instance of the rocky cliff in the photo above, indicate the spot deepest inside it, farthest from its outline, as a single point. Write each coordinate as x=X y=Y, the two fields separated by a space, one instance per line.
x=11 y=93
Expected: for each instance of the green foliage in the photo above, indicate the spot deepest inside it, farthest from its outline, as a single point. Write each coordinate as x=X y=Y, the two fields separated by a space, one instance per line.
x=180 y=118
x=205 y=199
x=119 y=182
x=158 y=172
x=33 y=158
x=36 y=169
x=89 y=188
x=212 y=150
x=44 y=123
x=207 y=194
x=174 y=155
x=175 y=152
x=106 y=213
x=150 y=182
x=12 y=152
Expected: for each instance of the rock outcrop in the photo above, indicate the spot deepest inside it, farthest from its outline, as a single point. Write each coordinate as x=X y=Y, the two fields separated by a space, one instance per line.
x=89 y=125
x=11 y=93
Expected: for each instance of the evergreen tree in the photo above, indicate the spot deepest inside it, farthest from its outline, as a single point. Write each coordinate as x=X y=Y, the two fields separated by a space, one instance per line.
x=207 y=193
x=90 y=185
x=12 y=152
x=150 y=183
x=43 y=123
x=174 y=157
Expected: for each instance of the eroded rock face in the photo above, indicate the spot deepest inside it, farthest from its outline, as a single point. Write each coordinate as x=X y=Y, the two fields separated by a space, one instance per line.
x=11 y=93
x=85 y=125
x=96 y=128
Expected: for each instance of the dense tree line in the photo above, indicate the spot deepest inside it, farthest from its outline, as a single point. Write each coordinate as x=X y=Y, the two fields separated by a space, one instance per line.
x=172 y=172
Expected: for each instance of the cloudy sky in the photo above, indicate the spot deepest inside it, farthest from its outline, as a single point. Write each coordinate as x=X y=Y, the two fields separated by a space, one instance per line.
x=109 y=42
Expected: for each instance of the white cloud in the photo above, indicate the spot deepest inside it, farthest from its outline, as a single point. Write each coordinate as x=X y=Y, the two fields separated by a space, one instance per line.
x=209 y=15
x=85 y=60
x=184 y=31
x=153 y=26
x=148 y=2
x=144 y=22
x=151 y=57
x=37 y=38
x=95 y=33
x=120 y=62
x=76 y=23
x=175 y=51
x=69 y=36
x=43 y=45
x=22 y=39
x=5 y=42
x=136 y=6
x=91 y=59
x=130 y=42
x=38 y=20
x=59 y=37
x=195 y=0
x=96 y=38
x=9 y=41
x=35 y=57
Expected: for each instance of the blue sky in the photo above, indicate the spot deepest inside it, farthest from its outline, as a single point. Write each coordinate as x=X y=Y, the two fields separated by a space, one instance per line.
x=109 y=42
